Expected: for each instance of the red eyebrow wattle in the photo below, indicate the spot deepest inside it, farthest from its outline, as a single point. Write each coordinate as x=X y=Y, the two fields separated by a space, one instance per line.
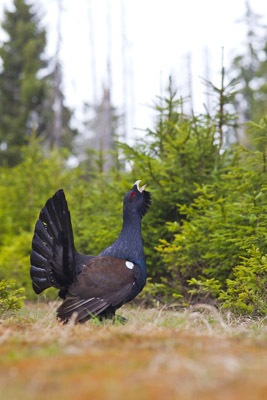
x=132 y=194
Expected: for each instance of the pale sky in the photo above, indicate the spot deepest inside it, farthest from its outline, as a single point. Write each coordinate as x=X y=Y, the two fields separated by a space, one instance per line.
x=158 y=36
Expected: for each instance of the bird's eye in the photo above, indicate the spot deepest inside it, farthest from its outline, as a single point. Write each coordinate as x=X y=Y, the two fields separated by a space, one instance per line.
x=132 y=195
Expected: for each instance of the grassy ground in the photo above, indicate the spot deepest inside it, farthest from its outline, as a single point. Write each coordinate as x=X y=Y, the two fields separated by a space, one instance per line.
x=157 y=354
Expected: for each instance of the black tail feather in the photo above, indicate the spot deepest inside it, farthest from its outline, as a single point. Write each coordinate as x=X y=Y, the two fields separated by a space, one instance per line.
x=41 y=247
x=53 y=252
x=41 y=230
x=38 y=259
x=46 y=219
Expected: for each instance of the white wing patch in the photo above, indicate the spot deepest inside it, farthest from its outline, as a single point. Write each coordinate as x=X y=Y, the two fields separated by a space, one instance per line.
x=129 y=264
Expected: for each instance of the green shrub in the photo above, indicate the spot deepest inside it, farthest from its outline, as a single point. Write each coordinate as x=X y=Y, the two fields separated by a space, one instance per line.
x=96 y=212
x=225 y=222
x=246 y=292
x=10 y=299
x=15 y=261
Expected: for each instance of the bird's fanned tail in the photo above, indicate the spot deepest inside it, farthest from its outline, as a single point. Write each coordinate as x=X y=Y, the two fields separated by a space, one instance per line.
x=53 y=252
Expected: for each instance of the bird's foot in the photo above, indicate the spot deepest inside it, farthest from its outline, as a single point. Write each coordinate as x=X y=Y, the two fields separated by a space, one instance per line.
x=119 y=320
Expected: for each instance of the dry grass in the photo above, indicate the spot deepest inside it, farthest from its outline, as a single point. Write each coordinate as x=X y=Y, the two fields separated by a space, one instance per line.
x=158 y=354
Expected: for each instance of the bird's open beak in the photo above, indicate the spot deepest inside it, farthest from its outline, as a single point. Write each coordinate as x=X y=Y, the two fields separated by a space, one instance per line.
x=140 y=189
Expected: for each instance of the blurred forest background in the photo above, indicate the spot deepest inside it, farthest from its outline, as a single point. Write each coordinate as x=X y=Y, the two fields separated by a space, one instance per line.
x=206 y=234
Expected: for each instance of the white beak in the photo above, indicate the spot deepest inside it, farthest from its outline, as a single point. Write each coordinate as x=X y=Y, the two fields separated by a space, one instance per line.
x=139 y=189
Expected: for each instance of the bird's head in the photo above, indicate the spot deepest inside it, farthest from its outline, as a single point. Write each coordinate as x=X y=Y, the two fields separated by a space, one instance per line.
x=137 y=200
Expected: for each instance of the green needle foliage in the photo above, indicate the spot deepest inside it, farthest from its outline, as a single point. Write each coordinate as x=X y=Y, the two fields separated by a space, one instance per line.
x=222 y=226
x=10 y=298
x=246 y=291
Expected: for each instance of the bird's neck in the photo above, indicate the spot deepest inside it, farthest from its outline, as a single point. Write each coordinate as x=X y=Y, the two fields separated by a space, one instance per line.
x=129 y=244
x=131 y=237
x=131 y=234
x=131 y=225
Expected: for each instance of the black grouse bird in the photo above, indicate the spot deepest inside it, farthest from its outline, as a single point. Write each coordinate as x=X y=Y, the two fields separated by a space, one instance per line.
x=89 y=285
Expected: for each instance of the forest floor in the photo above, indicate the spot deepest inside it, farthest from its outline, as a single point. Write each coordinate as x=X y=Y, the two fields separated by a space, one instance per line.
x=158 y=354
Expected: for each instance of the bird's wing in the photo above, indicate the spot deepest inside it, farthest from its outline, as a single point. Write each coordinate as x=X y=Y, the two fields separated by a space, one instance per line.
x=104 y=282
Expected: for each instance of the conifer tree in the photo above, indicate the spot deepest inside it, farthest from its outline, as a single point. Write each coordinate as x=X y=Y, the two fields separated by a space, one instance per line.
x=22 y=91
x=28 y=93
x=250 y=69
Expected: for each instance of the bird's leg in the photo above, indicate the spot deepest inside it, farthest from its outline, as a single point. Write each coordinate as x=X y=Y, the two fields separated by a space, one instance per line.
x=119 y=319
x=107 y=314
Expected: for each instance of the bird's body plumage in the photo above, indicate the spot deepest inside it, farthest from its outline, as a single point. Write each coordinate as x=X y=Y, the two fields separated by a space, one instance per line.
x=89 y=285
